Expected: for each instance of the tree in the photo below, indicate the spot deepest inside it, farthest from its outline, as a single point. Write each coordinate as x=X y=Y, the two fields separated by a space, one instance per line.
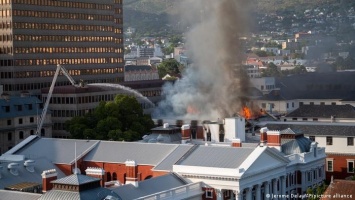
x=315 y=193
x=122 y=119
x=271 y=71
x=169 y=66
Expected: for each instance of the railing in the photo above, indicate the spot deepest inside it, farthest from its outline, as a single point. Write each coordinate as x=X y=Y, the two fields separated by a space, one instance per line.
x=181 y=192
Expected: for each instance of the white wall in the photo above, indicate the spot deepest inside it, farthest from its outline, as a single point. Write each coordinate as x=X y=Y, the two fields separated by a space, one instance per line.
x=339 y=144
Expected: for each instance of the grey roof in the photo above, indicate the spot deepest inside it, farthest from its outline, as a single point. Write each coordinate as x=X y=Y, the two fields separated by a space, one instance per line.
x=60 y=151
x=161 y=128
x=142 y=153
x=324 y=111
x=173 y=157
x=93 y=194
x=293 y=146
x=213 y=156
x=163 y=138
x=332 y=129
x=41 y=164
x=76 y=179
x=150 y=186
x=128 y=68
x=15 y=195
x=13 y=104
x=336 y=85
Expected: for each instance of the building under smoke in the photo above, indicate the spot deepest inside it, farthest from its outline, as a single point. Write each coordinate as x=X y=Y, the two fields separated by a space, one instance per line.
x=212 y=87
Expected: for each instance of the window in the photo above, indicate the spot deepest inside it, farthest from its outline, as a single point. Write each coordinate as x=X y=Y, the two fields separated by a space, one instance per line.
x=329 y=165
x=333 y=104
x=20 y=121
x=329 y=140
x=32 y=119
x=312 y=138
x=350 y=166
x=322 y=103
x=350 y=141
x=301 y=103
x=21 y=135
x=209 y=193
x=311 y=103
x=304 y=119
x=293 y=104
x=286 y=105
x=294 y=119
x=43 y=132
x=9 y=136
x=9 y=122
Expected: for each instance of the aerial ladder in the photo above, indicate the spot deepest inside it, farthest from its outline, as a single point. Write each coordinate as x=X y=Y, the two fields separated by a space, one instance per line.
x=45 y=107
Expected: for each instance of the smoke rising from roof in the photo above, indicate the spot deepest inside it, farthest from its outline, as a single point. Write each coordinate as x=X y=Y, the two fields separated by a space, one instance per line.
x=214 y=86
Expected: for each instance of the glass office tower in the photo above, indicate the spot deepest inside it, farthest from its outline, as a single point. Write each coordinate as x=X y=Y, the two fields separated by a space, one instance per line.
x=85 y=36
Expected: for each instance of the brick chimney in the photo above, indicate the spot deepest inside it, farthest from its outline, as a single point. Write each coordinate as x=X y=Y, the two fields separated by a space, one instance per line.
x=47 y=177
x=274 y=139
x=263 y=136
x=186 y=133
x=131 y=173
x=236 y=142
x=97 y=173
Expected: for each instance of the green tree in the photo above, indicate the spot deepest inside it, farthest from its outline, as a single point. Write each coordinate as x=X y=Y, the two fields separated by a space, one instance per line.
x=122 y=119
x=169 y=66
x=315 y=193
x=271 y=71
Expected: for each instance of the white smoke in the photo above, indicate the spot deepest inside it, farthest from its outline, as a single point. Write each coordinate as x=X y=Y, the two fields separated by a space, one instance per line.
x=214 y=86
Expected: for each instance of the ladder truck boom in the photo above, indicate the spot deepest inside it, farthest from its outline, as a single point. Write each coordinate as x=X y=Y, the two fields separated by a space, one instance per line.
x=45 y=107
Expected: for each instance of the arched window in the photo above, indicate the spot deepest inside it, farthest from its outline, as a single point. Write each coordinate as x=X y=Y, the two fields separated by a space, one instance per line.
x=108 y=176
x=114 y=176
x=21 y=135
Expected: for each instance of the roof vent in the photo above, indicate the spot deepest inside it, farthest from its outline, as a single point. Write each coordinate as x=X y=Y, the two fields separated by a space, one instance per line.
x=13 y=167
x=30 y=165
x=166 y=125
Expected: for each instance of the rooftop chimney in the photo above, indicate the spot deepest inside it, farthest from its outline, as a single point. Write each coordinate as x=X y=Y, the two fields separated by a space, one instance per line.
x=274 y=139
x=236 y=142
x=186 y=133
x=47 y=177
x=131 y=172
x=263 y=136
x=97 y=173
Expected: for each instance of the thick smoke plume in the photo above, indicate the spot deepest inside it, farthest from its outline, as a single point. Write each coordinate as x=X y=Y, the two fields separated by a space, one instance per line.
x=215 y=86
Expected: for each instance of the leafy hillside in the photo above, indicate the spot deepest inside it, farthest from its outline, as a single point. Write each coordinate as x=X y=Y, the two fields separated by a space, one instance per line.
x=153 y=17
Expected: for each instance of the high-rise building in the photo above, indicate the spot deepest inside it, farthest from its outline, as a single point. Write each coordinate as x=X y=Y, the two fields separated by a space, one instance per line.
x=83 y=35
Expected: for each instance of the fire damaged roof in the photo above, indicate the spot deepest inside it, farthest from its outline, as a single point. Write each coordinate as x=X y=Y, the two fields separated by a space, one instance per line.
x=316 y=129
x=336 y=85
x=324 y=111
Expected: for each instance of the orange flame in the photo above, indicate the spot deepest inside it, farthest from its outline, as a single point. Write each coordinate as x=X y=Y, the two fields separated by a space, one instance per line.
x=191 y=110
x=246 y=112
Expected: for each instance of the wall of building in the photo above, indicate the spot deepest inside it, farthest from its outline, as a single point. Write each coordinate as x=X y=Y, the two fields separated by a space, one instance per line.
x=339 y=144
x=144 y=171
x=340 y=162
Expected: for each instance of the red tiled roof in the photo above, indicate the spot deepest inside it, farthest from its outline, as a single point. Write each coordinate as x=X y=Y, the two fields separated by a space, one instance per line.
x=340 y=190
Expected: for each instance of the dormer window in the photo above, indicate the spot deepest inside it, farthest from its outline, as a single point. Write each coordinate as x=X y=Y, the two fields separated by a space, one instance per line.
x=30 y=165
x=13 y=168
